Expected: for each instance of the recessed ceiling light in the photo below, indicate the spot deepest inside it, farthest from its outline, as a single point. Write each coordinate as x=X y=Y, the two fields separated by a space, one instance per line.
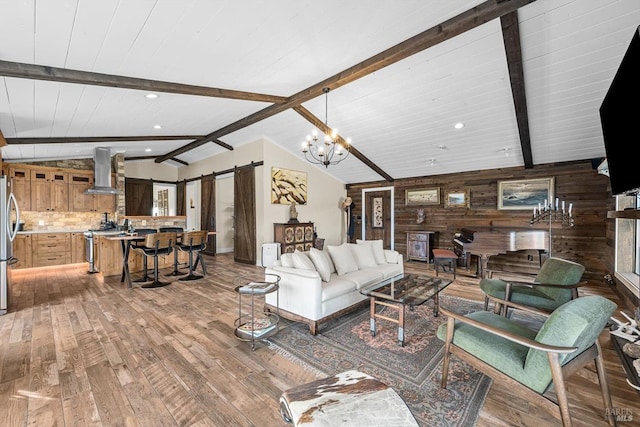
x=157 y=127
x=151 y=96
x=459 y=125
x=148 y=150
x=442 y=147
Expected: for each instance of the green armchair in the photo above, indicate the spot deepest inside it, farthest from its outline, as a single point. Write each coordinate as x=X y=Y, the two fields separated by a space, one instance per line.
x=530 y=361
x=556 y=283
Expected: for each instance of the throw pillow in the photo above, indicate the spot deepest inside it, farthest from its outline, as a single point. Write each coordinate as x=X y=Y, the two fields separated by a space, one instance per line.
x=302 y=261
x=286 y=260
x=363 y=255
x=378 y=249
x=342 y=258
x=322 y=262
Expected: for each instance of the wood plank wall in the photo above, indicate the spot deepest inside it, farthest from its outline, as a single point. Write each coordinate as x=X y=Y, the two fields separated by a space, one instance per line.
x=590 y=242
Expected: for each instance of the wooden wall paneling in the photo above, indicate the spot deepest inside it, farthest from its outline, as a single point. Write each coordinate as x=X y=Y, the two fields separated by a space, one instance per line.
x=589 y=242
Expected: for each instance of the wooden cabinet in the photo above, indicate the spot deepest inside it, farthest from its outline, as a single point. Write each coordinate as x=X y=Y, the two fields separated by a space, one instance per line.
x=22 y=250
x=49 y=190
x=51 y=249
x=420 y=245
x=21 y=186
x=80 y=201
x=294 y=236
x=77 y=248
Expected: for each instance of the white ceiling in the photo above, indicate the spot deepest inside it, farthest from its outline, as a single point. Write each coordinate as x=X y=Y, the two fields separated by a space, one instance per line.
x=400 y=116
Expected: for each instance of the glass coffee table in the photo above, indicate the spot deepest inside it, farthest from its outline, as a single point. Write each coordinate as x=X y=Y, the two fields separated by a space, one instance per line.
x=401 y=291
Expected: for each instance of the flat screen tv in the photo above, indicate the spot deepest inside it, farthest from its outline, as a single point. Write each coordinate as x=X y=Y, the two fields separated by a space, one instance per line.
x=620 y=119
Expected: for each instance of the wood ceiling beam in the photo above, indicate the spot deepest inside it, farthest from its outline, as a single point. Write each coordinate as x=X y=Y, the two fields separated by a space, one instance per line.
x=63 y=75
x=472 y=18
x=513 y=50
x=3 y=141
x=126 y=159
x=311 y=118
x=81 y=139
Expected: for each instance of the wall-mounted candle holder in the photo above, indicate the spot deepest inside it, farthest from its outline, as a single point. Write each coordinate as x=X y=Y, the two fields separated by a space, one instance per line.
x=553 y=214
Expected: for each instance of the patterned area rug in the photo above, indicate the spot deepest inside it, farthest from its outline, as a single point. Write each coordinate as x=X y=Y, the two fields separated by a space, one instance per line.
x=414 y=370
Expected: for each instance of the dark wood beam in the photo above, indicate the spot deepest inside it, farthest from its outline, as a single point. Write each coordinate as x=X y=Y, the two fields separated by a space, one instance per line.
x=40 y=72
x=3 y=141
x=126 y=159
x=512 y=47
x=80 y=139
x=311 y=118
x=472 y=18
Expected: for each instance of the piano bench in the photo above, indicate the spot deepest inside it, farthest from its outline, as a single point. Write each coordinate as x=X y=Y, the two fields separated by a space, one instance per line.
x=446 y=256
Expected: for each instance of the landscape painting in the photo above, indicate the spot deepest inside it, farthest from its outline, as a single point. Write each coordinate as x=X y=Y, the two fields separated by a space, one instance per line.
x=525 y=194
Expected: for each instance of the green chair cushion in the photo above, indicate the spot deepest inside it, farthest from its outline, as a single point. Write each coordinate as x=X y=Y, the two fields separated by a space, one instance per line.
x=504 y=355
x=526 y=295
x=577 y=323
x=554 y=271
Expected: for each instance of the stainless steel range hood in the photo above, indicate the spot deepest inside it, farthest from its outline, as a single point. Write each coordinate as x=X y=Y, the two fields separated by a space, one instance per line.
x=102 y=172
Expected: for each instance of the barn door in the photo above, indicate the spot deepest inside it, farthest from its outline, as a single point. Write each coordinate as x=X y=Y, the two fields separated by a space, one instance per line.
x=245 y=215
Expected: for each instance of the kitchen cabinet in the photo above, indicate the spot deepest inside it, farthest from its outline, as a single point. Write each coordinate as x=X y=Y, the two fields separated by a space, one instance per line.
x=77 y=248
x=22 y=250
x=420 y=245
x=51 y=249
x=80 y=201
x=49 y=190
x=292 y=237
x=21 y=186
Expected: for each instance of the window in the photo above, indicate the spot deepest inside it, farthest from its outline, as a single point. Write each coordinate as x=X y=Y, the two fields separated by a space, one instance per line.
x=627 y=257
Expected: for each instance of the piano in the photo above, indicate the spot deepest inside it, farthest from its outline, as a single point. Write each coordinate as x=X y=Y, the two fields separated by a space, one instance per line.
x=484 y=244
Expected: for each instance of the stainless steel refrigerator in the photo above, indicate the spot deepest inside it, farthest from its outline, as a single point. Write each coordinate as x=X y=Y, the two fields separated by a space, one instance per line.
x=9 y=221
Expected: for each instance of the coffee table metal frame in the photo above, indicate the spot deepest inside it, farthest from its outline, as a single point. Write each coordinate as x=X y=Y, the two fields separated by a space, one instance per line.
x=401 y=291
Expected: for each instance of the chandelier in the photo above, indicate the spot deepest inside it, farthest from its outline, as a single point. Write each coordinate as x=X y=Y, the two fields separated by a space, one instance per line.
x=333 y=150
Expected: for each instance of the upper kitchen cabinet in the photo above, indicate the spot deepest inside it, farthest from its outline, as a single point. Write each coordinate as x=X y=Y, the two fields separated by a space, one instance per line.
x=49 y=190
x=80 y=201
x=21 y=186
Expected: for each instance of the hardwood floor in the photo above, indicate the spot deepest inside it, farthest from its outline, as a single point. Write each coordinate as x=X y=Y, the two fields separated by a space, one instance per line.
x=77 y=349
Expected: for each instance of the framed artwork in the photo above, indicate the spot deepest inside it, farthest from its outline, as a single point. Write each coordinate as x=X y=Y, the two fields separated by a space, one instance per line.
x=288 y=187
x=457 y=198
x=376 y=213
x=423 y=196
x=525 y=194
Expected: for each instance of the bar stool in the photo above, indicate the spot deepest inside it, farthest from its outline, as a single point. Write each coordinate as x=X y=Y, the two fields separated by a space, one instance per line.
x=175 y=271
x=194 y=241
x=444 y=255
x=157 y=244
x=139 y=244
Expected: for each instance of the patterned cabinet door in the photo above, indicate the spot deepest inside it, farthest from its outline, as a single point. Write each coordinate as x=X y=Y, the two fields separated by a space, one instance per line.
x=308 y=233
x=299 y=234
x=288 y=236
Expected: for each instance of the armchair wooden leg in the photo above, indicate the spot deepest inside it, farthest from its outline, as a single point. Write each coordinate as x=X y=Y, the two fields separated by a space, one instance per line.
x=604 y=386
x=560 y=388
x=447 y=345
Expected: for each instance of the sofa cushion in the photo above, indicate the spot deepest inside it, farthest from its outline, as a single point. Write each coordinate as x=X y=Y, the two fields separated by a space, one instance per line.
x=389 y=270
x=286 y=260
x=342 y=258
x=378 y=249
x=363 y=278
x=302 y=261
x=337 y=287
x=321 y=261
x=363 y=254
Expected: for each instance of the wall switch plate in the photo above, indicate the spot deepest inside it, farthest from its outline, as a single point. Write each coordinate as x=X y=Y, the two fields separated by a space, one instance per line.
x=41 y=222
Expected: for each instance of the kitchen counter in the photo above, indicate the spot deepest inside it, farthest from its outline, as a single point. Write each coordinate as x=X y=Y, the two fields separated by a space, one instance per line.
x=51 y=231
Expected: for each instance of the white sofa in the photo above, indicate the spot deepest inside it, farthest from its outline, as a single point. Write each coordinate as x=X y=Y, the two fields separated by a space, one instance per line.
x=316 y=286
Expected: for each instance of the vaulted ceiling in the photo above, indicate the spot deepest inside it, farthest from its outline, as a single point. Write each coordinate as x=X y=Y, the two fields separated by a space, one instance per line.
x=526 y=77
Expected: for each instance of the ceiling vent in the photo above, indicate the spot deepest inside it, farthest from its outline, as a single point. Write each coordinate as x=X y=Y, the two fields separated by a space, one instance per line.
x=102 y=172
